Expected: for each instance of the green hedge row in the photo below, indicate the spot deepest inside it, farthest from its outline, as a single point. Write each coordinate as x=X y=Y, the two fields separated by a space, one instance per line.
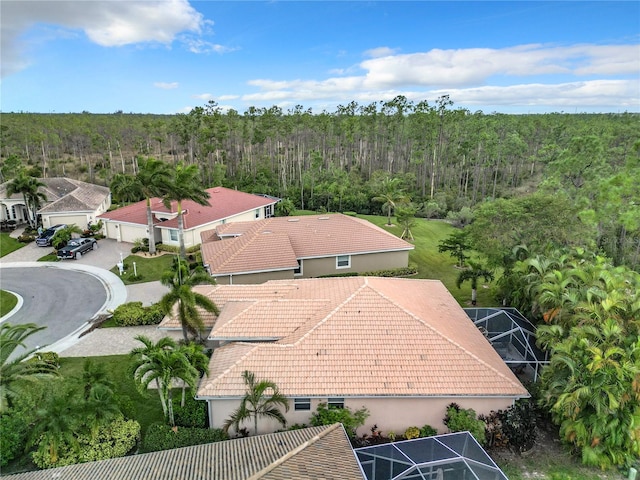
x=163 y=437
x=133 y=313
x=391 y=272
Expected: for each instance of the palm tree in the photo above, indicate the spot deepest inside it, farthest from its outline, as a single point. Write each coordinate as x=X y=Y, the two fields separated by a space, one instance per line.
x=99 y=402
x=261 y=400
x=391 y=194
x=473 y=273
x=62 y=236
x=15 y=371
x=198 y=359
x=184 y=185
x=56 y=421
x=184 y=300
x=126 y=188
x=163 y=363
x=29 y=187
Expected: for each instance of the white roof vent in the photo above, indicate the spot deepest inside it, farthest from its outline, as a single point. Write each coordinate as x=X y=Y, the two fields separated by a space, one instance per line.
x=293 y=220
x=323 y=218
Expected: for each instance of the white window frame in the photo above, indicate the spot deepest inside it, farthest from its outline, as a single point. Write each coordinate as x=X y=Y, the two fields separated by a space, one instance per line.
x=302 y=404
x=257 y=213
x=172 y=232
x=298 y=272
x=335 y=402
x=338 y=259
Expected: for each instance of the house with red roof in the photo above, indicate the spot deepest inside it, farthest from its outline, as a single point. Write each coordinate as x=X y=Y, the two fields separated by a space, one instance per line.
x=299 y=247
x=129 y=223
x=402 y=348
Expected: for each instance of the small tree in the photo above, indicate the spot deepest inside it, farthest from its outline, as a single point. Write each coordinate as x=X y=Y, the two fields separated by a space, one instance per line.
x=473 y=273
x=62 y=236
x=456 y=244
x=262 y=399
x=465 y=420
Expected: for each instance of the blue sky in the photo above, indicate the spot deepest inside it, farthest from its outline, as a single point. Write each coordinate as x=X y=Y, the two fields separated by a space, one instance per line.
x=169 y=56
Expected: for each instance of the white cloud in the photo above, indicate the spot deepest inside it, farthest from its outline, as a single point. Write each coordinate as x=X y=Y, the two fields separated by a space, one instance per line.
x=380 y=52
x=563 y=76
x=197 y=45
x=107 y=23
x=165 y=85
x=203 y=96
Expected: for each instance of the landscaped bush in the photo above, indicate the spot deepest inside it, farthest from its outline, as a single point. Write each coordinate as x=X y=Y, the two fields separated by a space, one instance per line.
x=133 y=313
x=349 y=419
x=26 y=238
x=115 y=439
x=162 y=437
x=519 y=425
x=411 y=433
x=13 y=437
x=193 y=414
x=428 y=431
x=461 y=420
x=161 y=247
x=50 y=358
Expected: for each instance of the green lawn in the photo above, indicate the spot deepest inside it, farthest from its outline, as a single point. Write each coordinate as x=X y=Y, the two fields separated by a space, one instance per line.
x=149 y=269
x=8 y=244
x=7 y=302
x=427 y=235
x=146 y=409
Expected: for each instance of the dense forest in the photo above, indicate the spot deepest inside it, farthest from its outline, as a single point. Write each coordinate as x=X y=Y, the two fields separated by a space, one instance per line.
x=445 y=159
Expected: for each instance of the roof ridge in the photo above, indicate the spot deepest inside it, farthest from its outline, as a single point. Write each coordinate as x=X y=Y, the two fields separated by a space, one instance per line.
x=295 y=451
x=445 y=337
x=331 y=313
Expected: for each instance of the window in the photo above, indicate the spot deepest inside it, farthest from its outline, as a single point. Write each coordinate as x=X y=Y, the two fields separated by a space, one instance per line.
x=268 y=211
x=173 y=235
x=257 y=213
x=336 y=403
x=298 y=271
x=302 y=404
x=343 y=261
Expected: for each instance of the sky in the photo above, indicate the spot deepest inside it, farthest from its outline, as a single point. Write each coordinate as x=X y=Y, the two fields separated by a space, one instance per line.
x=169 y=56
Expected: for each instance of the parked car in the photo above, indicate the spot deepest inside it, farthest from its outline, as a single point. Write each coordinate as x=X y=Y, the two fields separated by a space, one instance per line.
x=44 y=239
x=76 y=247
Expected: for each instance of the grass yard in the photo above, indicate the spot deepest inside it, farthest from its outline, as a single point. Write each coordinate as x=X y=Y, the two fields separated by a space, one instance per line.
x=148 y=269
x=432 y=264
x=7 y=302
x=8 y=244
x=146 y=409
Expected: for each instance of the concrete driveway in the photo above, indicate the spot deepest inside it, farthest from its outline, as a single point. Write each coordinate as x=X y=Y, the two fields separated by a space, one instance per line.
x=95 y=263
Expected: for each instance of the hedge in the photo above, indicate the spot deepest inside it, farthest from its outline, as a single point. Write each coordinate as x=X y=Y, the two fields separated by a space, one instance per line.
x=133 y=313
x=162 y=437
x=391 y=272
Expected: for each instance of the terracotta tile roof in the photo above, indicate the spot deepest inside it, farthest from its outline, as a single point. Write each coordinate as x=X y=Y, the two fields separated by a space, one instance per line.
x=377 y=337
x=223 y=203
x=66 y=195
x=310 y=453
x=276 y=243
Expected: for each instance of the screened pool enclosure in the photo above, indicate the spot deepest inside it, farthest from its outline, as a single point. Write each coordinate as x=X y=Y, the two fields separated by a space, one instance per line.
x=456 y=456
x=513 y=337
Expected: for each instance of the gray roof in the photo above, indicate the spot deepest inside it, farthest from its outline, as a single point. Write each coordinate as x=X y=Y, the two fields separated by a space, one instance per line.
x=66 y=195
x=309 y=453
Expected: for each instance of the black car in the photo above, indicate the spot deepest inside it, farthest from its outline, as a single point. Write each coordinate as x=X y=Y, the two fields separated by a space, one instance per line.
x=76 y=247
x=44 y=240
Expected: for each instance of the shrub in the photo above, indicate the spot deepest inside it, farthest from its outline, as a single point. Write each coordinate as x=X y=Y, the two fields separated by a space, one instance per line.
x=26 y=238
x=461 y=420
x=411 y=433
x=193 y=414
x=391 y=272
x=519 y=425
x=13 y=437
x=428 y=431
x=115 y=439
x=133 y=313
x=349 y=419
x=50 y=358
x=162 y=437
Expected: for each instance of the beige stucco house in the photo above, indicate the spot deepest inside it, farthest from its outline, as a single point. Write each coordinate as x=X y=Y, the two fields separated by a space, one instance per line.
x=127 y=224
x=299 y=247
x=402 y=348
x=67 y=201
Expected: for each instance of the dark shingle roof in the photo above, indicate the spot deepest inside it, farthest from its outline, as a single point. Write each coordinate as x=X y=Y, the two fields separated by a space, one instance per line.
x=310 y=453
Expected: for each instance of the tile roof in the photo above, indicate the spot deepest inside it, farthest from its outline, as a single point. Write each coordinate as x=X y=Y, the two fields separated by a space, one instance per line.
x=223 y=203
x=276 y=243
x=310 y=453
x=66 y=195
x=373 y=337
